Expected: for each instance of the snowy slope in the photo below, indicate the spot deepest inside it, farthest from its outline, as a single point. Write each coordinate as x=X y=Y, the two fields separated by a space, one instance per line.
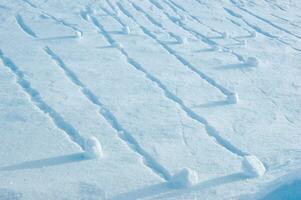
x=188 y=99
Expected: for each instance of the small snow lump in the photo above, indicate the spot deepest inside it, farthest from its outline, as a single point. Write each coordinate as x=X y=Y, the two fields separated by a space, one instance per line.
x=232 y=98
x=252 y=166
x=93 y=148
x=184 y=178
x=252 y=61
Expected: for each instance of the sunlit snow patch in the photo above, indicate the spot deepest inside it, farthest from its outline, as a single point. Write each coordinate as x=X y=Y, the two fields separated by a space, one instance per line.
x=224 y=35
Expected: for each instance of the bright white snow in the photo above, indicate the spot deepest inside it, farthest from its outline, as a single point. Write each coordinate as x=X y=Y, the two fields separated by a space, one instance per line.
x=253 y=167
x=93 y=148
x=154 y=89
x=184 y=178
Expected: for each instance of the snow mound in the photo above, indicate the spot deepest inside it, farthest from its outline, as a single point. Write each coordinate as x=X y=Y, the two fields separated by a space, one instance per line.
x=252 y=166
x=216 y=48
x=117 y=45
x=79 y=34
x=252 y=61
x=253 y=34
x=224 y=35
x=232 y=98
x=93 y=148
x=184 y=178
x=182 y=40
x=126 y=30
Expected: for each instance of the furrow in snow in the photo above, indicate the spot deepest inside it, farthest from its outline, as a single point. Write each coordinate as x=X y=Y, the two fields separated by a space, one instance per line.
x=78 y=32
x=258 y=29
x=30 y=4
x=171 y=3
x=37 y=100
x=173 y=53
x=55 y=19
x=24 y=26
x=198 y=35
x=123 y=134
x=211 y=131
x=264 y=20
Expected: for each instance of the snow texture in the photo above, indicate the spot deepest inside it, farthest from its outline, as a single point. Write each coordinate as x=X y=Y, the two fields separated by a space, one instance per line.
x=253 y=62
x=93 y=148
x=135 y=99
x=252 y=166
x=184 y=178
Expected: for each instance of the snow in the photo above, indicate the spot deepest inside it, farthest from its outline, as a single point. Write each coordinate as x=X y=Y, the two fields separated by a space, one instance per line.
x=93 y=148
x=233 y=98
x=126 y=30
x=150 y=99
x=253 y=62
x=184 y=178
x=252 y=166
x=285 y=187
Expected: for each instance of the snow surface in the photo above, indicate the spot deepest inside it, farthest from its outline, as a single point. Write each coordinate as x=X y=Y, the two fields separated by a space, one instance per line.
x=174 y=94
x=184 y=178
x=252 y=166
x=93 y=148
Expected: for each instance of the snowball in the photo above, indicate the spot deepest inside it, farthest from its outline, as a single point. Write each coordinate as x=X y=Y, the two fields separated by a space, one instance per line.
x=117 y=45
x=182 y=40
x=88 y=17
x=224 y=35
x=182 y=17
x=79 y=34
x=253 y=34
x=216 y=48
x=226 y=50
x=184 y=178
x=242 y=42
x=93 y=148
x=252 y=61
x=126 y=30
x=232 y=98
x=252 y=166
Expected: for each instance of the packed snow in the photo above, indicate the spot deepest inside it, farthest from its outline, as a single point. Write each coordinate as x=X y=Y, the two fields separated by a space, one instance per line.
x=93 y=148
x=150 y=99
